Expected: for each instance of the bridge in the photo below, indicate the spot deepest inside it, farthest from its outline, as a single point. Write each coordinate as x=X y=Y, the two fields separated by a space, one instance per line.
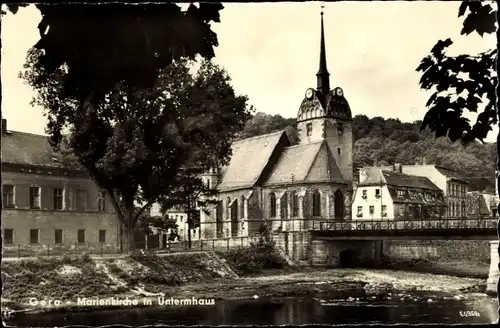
x=382 y=229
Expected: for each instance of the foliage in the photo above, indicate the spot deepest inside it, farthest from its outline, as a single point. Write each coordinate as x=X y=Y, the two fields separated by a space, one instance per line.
x=146 y=145
x=105 y=45
x=388 y=141
x=258 y=256
x=451 y=76
x=262 y=123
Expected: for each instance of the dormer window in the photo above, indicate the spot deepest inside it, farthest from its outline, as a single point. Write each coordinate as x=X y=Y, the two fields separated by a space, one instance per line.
x=309 y=128
x=401 y=193
x=340 y=129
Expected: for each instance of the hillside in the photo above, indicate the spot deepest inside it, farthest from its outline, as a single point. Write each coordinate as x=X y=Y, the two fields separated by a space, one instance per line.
x=390 y=141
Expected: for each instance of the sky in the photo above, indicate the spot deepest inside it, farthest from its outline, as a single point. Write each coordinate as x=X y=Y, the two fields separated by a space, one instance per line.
x=271 y=53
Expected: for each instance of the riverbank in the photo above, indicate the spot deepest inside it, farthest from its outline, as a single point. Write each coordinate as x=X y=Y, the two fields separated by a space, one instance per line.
x=58 y=284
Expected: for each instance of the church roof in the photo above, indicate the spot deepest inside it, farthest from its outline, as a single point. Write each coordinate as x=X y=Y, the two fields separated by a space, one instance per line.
x=306 y=163
x=248 y=161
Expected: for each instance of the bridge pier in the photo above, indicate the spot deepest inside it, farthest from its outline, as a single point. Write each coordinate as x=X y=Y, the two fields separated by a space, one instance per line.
x=491 y=287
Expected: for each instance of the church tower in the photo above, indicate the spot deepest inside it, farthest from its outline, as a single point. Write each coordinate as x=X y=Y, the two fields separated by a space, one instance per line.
x=325 y=115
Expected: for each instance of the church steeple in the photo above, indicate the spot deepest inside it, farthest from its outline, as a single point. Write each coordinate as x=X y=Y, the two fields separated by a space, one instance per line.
x=323 y=77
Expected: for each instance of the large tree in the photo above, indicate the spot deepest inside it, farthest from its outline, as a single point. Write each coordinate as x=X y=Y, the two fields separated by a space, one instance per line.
x=451 y=76
x=144 y=145
x=104 y=44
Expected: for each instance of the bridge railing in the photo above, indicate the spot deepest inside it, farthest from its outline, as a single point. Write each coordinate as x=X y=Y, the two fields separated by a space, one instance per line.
x=385 y=224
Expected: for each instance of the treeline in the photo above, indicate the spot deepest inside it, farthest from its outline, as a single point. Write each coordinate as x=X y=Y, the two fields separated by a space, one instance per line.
x=389 y=141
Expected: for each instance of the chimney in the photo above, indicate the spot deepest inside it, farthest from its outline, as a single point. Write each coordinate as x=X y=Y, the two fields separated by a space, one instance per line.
x=4 y=125
x=398 y=168
x=363 y=175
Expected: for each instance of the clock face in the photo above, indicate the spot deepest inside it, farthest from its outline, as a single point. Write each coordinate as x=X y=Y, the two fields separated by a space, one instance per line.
x=309 y=93
x=339 y=92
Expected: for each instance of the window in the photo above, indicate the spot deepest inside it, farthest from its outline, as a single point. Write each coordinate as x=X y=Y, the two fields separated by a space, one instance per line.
x=384 y=210
x=338 y=151
x=309 y=128
x=272 y=205
x=101 y=201
x=58 y=198
x=8 y=236
x=34 y=234
x=364 y=194
x=413 y=194
x=316 y=203
x=208 y=183
x=401 y=193
x=102 y=236
x=242 y=207
x=81 y=236
x=284 y=206
x=340 y=129
x=8 y=196
x=35 y=197
x=81 y=200
x=372 y=210
x=295 y=204
x=58 y=236
x=360 y=211
x=377 y=193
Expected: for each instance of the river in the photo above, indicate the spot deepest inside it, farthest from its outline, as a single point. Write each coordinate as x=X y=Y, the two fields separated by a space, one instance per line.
x=337 y=308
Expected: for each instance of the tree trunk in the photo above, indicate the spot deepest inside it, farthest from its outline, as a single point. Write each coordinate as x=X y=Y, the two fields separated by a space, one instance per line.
x=130 y=240
x=497 y=185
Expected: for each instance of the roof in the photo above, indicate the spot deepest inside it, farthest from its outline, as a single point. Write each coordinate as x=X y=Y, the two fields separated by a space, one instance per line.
x=450 y=173
x=336 y=107
x=476 y=204
x=410 y=181
x=311 y=162
x=378 y=176
x=249 y=158
x=29 y=149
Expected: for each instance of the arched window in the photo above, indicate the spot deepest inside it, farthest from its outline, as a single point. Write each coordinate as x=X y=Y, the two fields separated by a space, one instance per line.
x=284 y=206
x=294 y=198
x=242 y=207
x=316 y=203
x=272 y=205
x=339 y=205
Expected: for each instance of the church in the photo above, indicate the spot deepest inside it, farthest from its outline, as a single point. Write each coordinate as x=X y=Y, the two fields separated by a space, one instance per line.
x=286 y=185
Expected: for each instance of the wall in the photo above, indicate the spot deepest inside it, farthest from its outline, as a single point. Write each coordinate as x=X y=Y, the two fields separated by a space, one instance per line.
x=344 y=142
x=473 y=251
x=371 y=200
x=24 y=220
x=21 y=218
x=22 y=182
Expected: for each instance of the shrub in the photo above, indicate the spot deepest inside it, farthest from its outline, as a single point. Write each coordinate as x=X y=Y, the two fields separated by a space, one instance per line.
x=257 y=257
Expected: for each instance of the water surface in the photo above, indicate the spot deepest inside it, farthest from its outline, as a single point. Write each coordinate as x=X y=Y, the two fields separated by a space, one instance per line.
x=339 y=308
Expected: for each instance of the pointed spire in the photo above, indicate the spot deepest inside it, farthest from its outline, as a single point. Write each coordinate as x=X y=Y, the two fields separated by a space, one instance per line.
x=323 y=77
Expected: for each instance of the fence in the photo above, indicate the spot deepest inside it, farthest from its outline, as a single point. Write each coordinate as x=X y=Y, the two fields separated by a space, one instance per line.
x=57 y=250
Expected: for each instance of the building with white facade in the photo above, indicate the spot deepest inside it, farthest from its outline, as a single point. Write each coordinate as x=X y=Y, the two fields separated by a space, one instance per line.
x=382 y=194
